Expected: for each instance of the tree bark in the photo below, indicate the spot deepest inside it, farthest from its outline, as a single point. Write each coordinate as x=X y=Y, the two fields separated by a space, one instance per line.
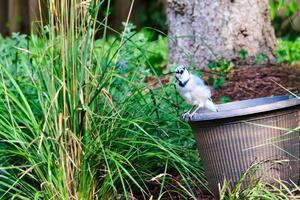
x=202 y=31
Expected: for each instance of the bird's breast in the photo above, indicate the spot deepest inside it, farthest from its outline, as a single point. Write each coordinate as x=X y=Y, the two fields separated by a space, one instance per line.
x=186 y=94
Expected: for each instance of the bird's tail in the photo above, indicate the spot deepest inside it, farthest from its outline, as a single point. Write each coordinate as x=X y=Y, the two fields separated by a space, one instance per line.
x=211 y=106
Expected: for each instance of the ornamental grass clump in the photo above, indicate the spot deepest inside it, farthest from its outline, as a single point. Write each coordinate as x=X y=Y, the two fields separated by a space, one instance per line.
x=72 y=126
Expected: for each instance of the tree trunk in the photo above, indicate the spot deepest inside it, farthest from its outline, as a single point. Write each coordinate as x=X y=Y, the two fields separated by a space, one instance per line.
x=202 y=31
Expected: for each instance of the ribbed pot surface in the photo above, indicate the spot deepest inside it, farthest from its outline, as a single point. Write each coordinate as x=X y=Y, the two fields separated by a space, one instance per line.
x=229 y=146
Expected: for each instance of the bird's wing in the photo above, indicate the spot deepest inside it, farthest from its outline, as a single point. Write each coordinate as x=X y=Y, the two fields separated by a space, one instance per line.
x=198 y=81
x=202 y=91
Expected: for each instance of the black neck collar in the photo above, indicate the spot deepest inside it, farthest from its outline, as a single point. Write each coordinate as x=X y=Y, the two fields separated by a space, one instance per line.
x=182 y=84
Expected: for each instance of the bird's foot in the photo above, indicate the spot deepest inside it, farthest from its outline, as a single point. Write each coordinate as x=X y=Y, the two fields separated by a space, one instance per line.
x=186 y=116
x=192 y=115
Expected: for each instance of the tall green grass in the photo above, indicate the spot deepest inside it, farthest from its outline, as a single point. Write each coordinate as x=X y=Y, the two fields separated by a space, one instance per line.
x=248 y=187
x=73 y=126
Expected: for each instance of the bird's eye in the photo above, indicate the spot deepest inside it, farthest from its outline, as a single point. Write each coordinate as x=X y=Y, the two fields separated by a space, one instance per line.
x=180 y=70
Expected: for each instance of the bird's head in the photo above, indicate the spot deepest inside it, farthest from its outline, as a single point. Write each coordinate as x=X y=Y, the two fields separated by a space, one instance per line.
x=181 y=73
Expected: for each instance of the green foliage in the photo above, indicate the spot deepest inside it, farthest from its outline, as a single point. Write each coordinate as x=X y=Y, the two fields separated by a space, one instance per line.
x=288 y=51
x=219 y=69
x=254 y=188
x=140 y=49
x=224 y=99
x=243 y=54
x=260 y=58
x=283 y=14
x=78 y=120
x=288 y=8
x=218 y=82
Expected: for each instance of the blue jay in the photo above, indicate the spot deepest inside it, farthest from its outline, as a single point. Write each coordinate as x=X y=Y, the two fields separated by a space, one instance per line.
x=193 y=90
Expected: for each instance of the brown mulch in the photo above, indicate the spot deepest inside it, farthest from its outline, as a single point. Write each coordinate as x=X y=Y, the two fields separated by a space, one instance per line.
x=202 y=196
x=249 y=82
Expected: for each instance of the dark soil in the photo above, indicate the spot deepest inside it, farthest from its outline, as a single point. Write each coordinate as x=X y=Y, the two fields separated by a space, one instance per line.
x=249 y=82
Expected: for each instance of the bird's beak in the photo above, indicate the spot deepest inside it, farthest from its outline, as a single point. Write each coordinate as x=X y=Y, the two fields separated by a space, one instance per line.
x=169 y=73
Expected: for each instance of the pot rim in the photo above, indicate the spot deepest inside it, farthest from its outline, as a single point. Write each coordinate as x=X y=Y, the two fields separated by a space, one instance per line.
x=246 y=107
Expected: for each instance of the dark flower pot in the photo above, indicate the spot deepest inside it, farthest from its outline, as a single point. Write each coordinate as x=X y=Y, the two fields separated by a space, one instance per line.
x=246 y=132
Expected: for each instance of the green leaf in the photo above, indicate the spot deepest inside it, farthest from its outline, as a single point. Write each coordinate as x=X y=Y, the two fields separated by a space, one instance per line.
x=211 y=65
x=293 y=6
x=243 y=53
x=224 y=99
x=260 y=58
x=219 y=82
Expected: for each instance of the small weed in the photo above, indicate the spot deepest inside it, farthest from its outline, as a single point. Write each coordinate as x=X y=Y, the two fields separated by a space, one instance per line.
x=260 y=58
x=288 y=51
x=224 y=99
x=219 y=69
x=243 y=54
